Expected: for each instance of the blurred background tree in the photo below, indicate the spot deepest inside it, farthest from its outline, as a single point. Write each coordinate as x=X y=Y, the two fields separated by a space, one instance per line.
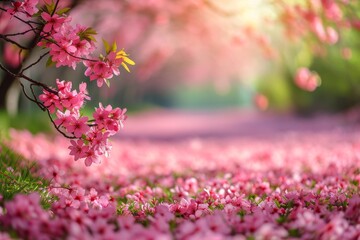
x=208 y=53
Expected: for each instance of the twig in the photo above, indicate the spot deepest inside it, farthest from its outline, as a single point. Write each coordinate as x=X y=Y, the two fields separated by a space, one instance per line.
x=40 y=105
x=13 y=42
x=56 y=5
x=21 y=75
x=19 y=33
x=26 y=95
x=36 y=62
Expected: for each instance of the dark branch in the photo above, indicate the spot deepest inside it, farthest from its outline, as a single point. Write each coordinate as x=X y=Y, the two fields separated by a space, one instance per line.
x=58 y=127
x=36 y=62
x=20 y=33
x=21 y=75
x=13 y=42
x=56 y=5
x=26 y=95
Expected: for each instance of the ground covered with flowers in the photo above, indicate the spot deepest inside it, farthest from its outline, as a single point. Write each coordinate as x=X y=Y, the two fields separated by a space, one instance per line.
x=293 y=186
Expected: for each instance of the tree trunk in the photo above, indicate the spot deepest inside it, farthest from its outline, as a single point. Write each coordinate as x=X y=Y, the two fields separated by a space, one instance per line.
x=6 y=82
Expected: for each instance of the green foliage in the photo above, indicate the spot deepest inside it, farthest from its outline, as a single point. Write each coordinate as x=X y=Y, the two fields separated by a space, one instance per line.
x=17 y=176
x=35 y=122
x=205 y=96
x=340 y=78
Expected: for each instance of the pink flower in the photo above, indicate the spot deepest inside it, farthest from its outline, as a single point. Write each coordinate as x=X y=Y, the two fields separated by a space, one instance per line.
x=332 y=35
x=270 y=231
x=64 y=119
x=91 y=157
x=101 y=72
x=101 y=114
x=30 y=7
x=78 y=149
x=114 y=63
x=352 y=211
x=50 y=100
x=332 y=10
x=78 y=126
x=318 y=28
x=261 y=101
x=16 y=7
x=12 y=55
x=163 y=212
x=306 y=80
x=52 y=23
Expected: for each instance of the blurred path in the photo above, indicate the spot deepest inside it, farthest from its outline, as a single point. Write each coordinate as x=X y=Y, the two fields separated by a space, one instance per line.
x=178 y=124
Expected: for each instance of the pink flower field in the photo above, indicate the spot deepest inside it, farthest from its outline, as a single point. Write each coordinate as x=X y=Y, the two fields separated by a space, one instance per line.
x=295 y=185
x=226 y=136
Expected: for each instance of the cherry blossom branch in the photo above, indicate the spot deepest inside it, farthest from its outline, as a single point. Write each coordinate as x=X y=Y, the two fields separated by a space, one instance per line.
x=67 y=52
x=43 y=108
x=58 y=127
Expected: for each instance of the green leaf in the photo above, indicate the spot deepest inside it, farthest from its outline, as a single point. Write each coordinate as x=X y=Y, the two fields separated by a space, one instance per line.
x=88 y=34
x=293 y=232
x=107 y=82
x=50 y=7
x=62 y=11
x=49 y=62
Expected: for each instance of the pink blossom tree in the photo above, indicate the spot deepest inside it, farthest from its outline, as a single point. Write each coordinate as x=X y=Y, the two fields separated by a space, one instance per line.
x=208 y=39
x=29 y=25
x=66 y=44
x=198 y=40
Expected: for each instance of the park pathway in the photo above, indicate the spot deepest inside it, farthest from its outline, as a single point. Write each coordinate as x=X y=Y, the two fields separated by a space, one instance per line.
x=181 y=124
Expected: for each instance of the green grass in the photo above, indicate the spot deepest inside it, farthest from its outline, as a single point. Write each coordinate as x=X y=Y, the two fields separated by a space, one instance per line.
x=34 y=122
x=17 y=176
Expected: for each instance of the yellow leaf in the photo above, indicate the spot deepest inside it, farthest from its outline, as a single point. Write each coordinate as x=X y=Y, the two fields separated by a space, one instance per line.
x=107 y=46
x=125 y=66
x=114 y=47
x=129 y=61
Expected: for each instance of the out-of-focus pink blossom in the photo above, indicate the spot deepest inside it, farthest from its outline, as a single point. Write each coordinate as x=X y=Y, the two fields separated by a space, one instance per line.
x=261 y=102
x=307 y=80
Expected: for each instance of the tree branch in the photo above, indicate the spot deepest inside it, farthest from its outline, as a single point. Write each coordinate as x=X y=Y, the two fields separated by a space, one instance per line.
x=36 y=62
x=20 y=33
x=21 y=75
x=13 y=42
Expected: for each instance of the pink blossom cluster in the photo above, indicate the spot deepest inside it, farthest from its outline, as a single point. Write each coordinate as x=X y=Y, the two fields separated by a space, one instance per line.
x=65 y=97
x=324 y=18
x=298 y=185
x=69 y=45
x=92 y=138
x=27 y=7
x=101 y=71
x=307 y=80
